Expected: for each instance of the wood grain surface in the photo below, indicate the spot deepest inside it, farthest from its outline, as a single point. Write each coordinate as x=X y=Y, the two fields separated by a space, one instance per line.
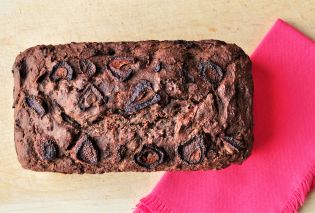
x=27 y=23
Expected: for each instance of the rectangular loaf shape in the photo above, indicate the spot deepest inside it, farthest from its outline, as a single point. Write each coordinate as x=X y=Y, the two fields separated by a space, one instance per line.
x=133 y=106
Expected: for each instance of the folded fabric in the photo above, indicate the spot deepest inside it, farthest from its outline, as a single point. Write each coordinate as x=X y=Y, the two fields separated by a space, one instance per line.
x=281 y=170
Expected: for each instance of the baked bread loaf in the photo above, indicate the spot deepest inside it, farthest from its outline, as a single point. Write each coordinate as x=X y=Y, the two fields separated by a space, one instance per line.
x=133 y=106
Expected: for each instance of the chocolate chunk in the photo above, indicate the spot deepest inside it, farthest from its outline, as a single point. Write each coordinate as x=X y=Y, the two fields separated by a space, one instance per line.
x=121 y=68
x=211 y=72
x=62 y=70
x=91 y=96
x=193 y=150
x=36 y=104
x=150 y=156
x=87 y=67
x=48 y=149
x=86 y=151
x=142 y=96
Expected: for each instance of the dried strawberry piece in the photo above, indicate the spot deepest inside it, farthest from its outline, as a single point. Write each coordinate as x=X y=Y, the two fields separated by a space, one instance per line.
x=90 y=96
x=193 y=150
x=48 y=149
x=87 y=67
x=121 y=67
x=36 y=104
x=86 y=151
x=211 y=72
x=142 y=96
x=150 y=156
x=62 y=70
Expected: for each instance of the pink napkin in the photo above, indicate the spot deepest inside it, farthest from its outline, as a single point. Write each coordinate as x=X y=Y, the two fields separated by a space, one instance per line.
x=281 y=170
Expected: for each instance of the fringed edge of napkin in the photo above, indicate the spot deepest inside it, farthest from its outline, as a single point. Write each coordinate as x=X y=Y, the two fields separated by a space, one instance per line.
x=298 y=197
x=150 y=204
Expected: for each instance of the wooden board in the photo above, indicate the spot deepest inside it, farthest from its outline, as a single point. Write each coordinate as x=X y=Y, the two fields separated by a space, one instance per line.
x=27 y=23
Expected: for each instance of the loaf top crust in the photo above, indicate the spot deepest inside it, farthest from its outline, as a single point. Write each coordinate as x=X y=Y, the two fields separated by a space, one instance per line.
x=133 y=106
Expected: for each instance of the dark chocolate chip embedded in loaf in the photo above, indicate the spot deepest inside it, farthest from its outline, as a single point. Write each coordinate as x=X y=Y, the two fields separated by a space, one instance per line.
x=133 y=106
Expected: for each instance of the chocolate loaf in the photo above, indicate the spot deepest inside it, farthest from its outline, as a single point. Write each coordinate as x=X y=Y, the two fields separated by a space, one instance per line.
x=132 y=106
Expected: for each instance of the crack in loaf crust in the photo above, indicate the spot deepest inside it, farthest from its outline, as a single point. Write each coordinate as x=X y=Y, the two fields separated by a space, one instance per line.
x=133 y=106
